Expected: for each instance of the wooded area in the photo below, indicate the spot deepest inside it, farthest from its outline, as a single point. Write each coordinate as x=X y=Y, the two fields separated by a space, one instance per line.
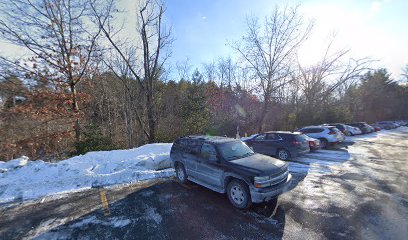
x=82 y=87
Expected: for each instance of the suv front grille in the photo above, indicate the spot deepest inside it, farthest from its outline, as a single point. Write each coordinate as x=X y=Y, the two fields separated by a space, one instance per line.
x=275 y=180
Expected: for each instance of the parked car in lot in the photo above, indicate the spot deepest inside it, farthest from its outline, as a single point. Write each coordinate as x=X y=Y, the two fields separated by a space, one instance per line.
x=339 y=126
x=386 y=125
x=403 y=123
x=328 y=135
x=364 y=127
x=353 y=130
x=376 y=127
x=283 y=145
x=314 y=144
x=227 y=165
x=371 y=128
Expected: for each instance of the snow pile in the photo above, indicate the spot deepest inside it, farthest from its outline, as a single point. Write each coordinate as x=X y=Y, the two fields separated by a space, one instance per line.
x=21 y=179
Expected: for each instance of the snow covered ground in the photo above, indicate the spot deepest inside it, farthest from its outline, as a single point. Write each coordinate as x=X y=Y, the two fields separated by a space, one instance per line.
x=22 y=179
x=333 y=161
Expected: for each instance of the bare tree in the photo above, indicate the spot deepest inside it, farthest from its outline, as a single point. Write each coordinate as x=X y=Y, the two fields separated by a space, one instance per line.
x=184 y=69
x=209 y=72
x=226 y=71
x=335 y=72
x=56 y=36
x=154 y=38
x=405 y=73
x=269 y=49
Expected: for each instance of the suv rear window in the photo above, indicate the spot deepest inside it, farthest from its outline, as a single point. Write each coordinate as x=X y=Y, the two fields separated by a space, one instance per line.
x=311 y=130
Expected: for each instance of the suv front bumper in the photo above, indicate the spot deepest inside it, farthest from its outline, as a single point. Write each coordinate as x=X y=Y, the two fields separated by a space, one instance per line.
x=265 y=194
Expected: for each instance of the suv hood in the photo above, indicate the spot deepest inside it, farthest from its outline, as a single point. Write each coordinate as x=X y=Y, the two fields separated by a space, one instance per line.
x=259 y=164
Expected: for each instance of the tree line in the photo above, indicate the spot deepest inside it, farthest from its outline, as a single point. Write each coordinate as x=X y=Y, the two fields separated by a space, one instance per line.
x=84 y=87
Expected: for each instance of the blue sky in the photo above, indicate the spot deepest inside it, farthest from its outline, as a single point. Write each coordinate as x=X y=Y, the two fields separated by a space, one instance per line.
x=377 y=29
x=202 y=28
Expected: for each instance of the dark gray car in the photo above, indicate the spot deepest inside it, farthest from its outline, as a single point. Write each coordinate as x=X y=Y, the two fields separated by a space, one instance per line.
x=283 y=145
x=229 y=166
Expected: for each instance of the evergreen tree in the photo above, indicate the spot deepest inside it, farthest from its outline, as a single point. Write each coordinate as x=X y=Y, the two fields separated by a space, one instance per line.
x=194 y=107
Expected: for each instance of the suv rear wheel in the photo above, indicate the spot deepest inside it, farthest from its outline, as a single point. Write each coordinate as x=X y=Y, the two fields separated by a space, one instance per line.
x=181 y=173
x=283 y=154
x=238 y=194
x=323 y=143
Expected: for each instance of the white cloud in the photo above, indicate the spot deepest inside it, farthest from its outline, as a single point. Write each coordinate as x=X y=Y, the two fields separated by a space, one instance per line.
x=358 y=30
x=375 y=7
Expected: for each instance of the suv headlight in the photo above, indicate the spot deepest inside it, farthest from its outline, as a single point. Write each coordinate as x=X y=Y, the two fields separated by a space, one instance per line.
x=261 y=179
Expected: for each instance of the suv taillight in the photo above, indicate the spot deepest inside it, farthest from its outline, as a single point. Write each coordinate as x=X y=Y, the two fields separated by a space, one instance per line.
x=332 y=132
x=296 y=143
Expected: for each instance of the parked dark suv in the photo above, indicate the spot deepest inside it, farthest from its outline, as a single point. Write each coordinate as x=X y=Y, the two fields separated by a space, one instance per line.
x=227 y=165
x=364 y=127
x=283 y=145
x=339 y=126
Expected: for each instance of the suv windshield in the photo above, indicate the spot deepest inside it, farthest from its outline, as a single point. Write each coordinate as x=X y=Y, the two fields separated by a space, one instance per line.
x=234 y=150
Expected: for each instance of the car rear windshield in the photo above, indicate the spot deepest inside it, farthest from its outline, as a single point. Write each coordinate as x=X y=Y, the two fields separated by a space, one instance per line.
x=234 y=150
x=334 y=129
x=340 y=127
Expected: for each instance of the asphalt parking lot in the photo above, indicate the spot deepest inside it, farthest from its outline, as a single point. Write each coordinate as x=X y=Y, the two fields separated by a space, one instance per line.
x=356 y=191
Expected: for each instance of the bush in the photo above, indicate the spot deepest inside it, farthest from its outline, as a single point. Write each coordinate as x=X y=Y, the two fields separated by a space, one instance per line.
x=93 y=140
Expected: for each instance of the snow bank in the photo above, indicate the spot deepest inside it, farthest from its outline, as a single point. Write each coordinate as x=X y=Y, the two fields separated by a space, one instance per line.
x=21 y=179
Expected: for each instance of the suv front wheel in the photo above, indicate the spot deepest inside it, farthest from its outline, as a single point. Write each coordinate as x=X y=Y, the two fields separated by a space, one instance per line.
x=238 y=194
x=181 y=173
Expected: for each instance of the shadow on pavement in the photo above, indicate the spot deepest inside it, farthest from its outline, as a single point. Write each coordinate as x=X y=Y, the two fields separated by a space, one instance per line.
x=173 y=211
x=318 y=161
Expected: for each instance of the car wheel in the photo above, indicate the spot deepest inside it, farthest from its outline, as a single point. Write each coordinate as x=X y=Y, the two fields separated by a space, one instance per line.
x=181 y=173
x=283 y=154
x=323 y=143
x=238 y=194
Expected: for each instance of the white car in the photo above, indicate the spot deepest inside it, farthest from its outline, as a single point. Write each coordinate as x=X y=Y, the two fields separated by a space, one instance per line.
x=326 y=134
x=353 y=130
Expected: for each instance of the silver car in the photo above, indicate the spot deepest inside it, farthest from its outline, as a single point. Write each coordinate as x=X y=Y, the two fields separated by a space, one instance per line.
x=328 y=135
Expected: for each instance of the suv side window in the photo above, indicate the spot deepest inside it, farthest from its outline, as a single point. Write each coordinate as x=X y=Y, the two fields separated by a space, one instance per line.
x=208 y=152
x=272 y=136
x=260 y=137
x=317 y=130
x=194 y=147
x=306 y=130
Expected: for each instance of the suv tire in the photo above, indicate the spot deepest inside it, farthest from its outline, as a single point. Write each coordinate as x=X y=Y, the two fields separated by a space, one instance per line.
x=283 y=154
x=238 y=194
x=323 y=143
x=181 y=173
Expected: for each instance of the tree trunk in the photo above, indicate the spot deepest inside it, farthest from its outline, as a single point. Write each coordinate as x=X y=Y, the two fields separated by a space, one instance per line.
x=263 y=115
x=75 y=109
x=151 y=115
